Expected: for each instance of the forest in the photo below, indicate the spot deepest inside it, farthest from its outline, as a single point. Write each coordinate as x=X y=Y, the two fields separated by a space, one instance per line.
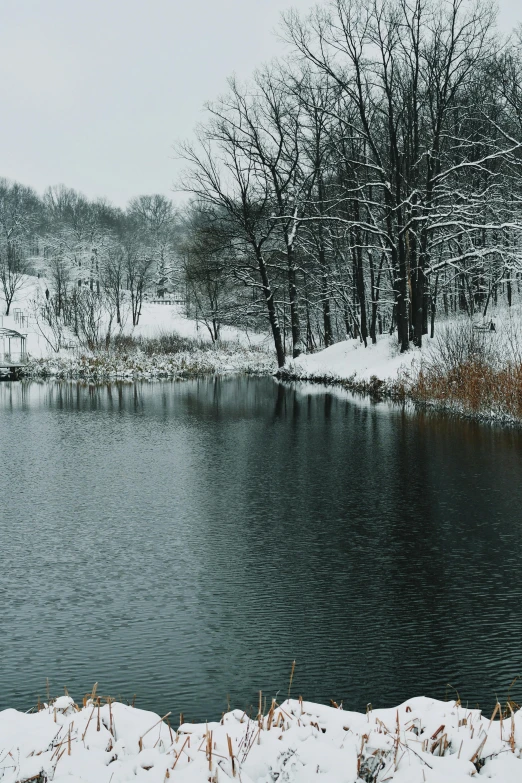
x=368 y=182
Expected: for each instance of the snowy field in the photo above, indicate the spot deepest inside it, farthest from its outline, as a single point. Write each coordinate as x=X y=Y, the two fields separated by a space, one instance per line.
x=155 y=320
x=350 y=360
x=420 y=741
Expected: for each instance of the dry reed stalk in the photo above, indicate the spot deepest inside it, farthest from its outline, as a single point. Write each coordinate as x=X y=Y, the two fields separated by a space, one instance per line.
x=441 y=744
x=204 y=740
x=477 y=752
x=90 y=716
x=497 y=707
x=259 y=709
x=359 y=755
x=98 y=725
x=140 y=741
x=512 y=733
x=291 y=679
x=397 y=739
x=270 y=716
x=180 y=752
x=231 y=754
x=255 y=735
x=58 y=759
x=58 y=746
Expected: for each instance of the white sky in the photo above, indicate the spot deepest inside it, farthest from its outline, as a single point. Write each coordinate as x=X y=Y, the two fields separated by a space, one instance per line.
x=95 y=92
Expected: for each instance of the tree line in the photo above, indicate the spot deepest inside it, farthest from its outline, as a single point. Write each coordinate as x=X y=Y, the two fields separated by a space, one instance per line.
x=371 y=180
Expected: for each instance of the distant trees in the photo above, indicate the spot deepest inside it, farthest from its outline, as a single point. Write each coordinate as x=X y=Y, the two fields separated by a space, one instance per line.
x=20 y=215
x=99 y=262
x=13 y=269
x=223 y=176
x=211 y=268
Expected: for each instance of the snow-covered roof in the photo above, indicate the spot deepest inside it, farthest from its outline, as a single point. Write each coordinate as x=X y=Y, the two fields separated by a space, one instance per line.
x=4 y=332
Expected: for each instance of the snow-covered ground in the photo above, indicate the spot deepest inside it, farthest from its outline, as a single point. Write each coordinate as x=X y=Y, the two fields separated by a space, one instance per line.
x=350 y=360
x=421 y=741
x=156 y=319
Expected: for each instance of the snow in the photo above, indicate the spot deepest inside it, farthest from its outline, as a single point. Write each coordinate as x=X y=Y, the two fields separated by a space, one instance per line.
x=296 y=742
x=155 y=320
x=350 y=360
x=183 y=364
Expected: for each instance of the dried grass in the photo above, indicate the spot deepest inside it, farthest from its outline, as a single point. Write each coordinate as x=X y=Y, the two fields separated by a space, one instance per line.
x=473 y=373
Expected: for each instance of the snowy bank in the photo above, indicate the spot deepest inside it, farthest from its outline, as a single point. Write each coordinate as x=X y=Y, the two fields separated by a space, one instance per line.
x=355 y=366
x=107 y=366
x=296 y=742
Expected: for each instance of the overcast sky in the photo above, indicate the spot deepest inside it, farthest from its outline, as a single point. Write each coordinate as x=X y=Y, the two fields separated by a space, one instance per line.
x=95 y=92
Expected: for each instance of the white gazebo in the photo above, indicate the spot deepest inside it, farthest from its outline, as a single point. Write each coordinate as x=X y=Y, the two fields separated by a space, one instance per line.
x=12 y=347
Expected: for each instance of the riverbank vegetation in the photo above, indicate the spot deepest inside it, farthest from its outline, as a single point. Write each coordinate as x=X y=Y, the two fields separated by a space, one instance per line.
x=166 y=355
x=463 y=371
x=104 y=740
x=470 y=374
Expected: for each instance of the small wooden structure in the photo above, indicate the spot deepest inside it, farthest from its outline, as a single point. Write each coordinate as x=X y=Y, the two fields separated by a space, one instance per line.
x=13 y=353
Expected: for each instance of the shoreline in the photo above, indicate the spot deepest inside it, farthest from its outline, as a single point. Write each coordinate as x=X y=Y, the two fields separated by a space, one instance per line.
x=106 y=367
x=104 y=741
x=393 y=391
x=238 y=360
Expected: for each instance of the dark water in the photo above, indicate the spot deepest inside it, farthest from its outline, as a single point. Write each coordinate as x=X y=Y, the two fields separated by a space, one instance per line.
x=187 y=541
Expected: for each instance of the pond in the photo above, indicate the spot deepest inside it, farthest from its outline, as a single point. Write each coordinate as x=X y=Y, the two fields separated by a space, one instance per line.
x=186 y=541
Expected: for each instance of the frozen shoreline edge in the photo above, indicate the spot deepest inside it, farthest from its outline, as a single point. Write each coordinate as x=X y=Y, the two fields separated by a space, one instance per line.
x=108 y=742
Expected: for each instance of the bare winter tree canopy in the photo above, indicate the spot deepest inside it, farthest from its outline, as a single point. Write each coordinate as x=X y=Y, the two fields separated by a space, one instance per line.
x=375 y=176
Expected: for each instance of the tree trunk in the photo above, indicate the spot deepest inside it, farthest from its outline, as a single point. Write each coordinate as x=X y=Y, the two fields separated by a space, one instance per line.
x=272 y=313
x=294 y=304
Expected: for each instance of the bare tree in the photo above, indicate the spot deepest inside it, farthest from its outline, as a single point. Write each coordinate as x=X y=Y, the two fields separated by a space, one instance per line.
x=223 y=176
x=13 y=271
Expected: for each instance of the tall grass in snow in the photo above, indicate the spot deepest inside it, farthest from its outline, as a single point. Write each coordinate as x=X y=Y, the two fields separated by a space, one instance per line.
x=472 y=372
